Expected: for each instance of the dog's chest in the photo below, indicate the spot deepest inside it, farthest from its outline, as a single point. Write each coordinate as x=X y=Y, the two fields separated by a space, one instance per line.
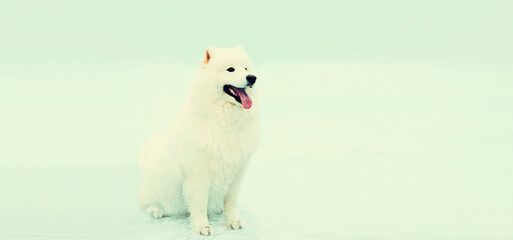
x=228 y=136
x=232 y=146
x=228 y=144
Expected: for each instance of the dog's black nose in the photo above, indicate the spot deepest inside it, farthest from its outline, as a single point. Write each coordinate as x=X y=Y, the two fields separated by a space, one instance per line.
x=251 y=79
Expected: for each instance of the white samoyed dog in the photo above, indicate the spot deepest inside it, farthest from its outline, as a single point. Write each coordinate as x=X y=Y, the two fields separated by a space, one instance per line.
x=195 y=167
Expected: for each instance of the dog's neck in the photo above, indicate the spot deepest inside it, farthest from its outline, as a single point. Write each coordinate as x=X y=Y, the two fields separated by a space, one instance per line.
x=228 y=113
x=219 y=108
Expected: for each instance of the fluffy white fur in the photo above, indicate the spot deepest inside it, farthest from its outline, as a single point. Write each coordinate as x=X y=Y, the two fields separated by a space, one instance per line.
x=196 y=165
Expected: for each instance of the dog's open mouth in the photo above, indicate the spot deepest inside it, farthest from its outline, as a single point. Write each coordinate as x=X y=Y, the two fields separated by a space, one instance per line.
x=239 y=94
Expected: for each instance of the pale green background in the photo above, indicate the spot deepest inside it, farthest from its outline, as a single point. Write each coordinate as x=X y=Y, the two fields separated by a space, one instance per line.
x=273 y=31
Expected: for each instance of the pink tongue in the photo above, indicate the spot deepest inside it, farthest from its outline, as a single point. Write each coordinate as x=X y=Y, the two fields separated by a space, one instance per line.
x=244 y=98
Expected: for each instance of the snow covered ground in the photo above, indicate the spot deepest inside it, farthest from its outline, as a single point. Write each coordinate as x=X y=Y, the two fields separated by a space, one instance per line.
x=351 y=150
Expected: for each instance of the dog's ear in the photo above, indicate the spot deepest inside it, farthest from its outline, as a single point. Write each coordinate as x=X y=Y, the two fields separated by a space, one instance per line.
x=207 y=56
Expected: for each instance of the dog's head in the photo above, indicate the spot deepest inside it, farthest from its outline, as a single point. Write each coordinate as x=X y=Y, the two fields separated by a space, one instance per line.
x=230 y=72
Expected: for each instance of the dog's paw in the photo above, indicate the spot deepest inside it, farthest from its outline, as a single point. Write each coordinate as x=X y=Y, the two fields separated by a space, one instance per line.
x=155 y=211
x=205 y=230
x=235 y=224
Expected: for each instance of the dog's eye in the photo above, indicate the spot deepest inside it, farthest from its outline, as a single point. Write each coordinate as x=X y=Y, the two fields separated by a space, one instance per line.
x=246 y=69
x=230 y=69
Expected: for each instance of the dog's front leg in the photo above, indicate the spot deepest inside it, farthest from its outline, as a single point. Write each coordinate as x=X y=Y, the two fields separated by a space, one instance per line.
x=196 y=190
x=231 y=213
